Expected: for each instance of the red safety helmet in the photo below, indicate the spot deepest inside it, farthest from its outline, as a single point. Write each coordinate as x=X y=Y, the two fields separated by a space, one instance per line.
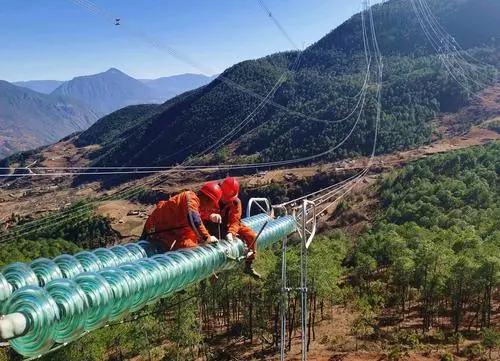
x=230 y=189
x=213 y=191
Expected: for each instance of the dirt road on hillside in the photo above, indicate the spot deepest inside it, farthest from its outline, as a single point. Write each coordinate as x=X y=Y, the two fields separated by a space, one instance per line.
x=53 y=194
x=357 y=216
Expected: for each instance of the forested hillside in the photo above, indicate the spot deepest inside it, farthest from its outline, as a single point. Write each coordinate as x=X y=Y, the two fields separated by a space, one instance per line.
x=423 y=277
x=416 y=89
x=438 y=237
x=120 y=127
x=418 y=279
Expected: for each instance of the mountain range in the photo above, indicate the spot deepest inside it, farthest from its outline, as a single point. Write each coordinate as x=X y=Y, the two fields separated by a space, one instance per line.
x=29 y=119
x=321 y=88
x=110 y=91
x=417 y=87
x=113 y=89
x=41 y=86
x=178 y=84
x=40 y=112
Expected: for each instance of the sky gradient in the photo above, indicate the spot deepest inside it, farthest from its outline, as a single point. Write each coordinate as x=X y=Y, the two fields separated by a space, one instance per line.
x=60 y=39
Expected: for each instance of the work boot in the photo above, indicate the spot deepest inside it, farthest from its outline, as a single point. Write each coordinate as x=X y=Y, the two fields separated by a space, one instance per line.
x=213 y=280
x=249 y=270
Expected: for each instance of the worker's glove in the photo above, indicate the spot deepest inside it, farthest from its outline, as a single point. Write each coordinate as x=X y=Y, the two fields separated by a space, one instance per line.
x=229 y=237
x=211 y=239
x=215 y=218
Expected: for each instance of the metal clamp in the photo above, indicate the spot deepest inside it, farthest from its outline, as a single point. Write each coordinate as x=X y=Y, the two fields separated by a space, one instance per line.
x=235 y=259
x=306 y=227
x=312 y=230
x=246 y=251
x=229 y=255
x=280 y=207
x=259 y=202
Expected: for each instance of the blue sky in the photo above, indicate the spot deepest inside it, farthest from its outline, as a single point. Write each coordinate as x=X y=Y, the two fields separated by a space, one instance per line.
x=59 y=39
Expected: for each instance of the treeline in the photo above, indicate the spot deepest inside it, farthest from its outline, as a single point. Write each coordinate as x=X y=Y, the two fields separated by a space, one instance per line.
x=231 y=306
x=50 y=236
x=428 y=270
x=438 y=240
x=324 y=82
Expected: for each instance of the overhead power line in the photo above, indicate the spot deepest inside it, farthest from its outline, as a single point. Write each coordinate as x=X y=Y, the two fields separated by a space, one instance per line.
x=132 y=191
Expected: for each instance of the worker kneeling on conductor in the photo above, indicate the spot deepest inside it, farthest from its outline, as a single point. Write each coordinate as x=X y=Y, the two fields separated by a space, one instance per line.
x=176 y=223
x=230 y=209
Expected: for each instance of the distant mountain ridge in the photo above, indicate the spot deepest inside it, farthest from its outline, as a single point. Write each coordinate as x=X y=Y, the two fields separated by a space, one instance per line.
x=179 y=84
x=29 y=119
x=41 y=86
x=39 y=112
x=109 y=91
x=113 y=89
x=168 y=85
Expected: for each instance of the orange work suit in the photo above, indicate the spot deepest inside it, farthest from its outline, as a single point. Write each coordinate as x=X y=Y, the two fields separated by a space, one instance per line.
x=231 y=213
x=176 y=223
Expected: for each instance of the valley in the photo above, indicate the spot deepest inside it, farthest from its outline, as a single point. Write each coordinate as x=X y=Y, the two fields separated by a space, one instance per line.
x=388 y=123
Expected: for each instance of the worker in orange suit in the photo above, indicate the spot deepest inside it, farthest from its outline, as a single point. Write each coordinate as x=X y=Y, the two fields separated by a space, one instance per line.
x=231 y=211
x=176 y=223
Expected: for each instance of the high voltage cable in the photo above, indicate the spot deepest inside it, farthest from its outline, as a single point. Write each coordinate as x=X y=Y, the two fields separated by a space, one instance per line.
x=67 y=215
x=459 y=53
x=139 y=188
x=70 y=218
x=268 y=96
x=445 y=34
x=213 y=167
x=436 y=28
x=277 y=23
x=151 y=168
x=136 y=172
x=90 y=5
x=199 y=168
x=209 y=168
x=423 y=16
x=154 y=169
x=351 y=184
x=322 y=199
x=290 y=202
x=94 y=8
x=252 y=115
x=360 y=94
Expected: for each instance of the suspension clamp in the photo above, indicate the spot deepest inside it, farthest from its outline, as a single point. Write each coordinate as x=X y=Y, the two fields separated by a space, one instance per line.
x=230 y=257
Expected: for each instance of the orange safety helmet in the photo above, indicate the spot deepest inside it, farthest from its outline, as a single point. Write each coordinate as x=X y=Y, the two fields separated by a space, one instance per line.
x=230 y=189
x=213 y=191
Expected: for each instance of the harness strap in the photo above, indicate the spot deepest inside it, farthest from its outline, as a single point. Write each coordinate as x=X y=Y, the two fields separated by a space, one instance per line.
x=191 y=220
